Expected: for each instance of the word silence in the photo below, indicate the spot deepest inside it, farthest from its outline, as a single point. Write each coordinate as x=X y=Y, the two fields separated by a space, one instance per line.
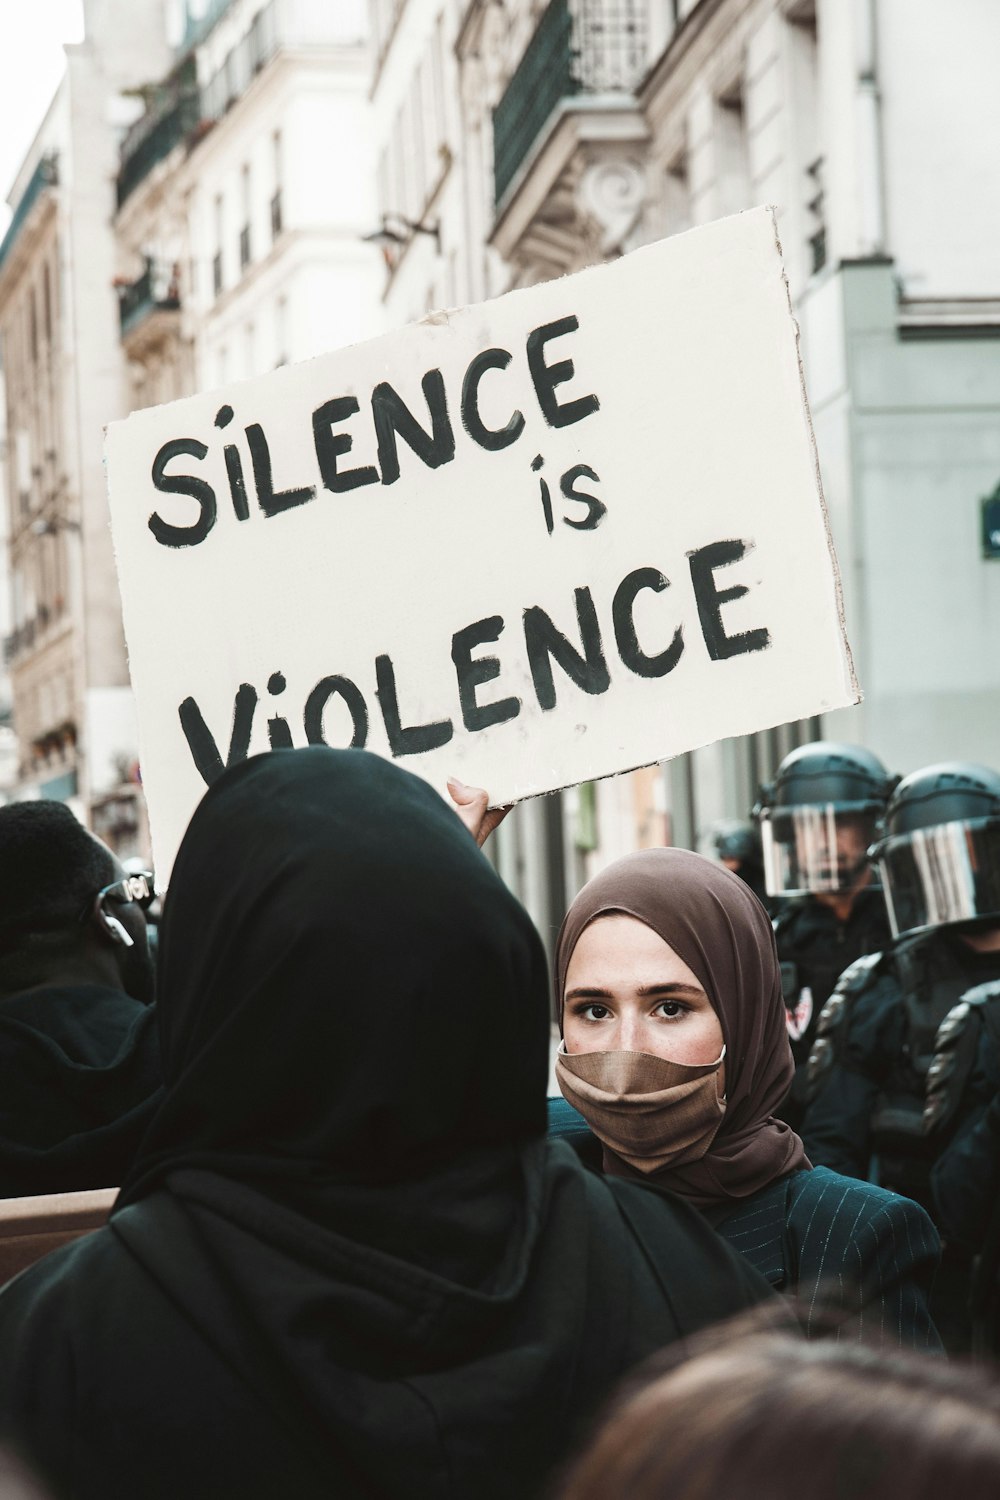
x=430 y=436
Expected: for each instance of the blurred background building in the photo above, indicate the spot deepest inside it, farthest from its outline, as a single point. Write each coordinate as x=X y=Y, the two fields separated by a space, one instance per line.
x=246 y=157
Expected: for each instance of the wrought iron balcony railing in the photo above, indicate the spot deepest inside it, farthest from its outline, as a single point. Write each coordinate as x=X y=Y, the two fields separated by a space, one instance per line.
x=155 y=135
x=45 y=175
x=579 y=47
x=156 y=290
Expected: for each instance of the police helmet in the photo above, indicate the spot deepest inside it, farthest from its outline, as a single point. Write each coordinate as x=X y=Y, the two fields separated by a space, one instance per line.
x=818 y=817
x=939 y=854
x=738 y=841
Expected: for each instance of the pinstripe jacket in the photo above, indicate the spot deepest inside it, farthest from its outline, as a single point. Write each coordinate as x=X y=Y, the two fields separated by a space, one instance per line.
x=839 y=1246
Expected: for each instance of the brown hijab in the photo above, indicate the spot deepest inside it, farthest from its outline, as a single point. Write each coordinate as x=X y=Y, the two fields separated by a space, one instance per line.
x=721 y=931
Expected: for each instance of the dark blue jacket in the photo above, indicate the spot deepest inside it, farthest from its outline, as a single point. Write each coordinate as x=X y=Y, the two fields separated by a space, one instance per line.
x=832 y=1242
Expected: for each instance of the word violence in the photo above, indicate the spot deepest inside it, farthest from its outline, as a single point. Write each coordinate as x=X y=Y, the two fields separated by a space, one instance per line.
x=545 y=646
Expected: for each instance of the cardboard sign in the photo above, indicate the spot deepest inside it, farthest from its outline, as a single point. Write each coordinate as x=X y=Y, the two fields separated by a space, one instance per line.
x=546 y=539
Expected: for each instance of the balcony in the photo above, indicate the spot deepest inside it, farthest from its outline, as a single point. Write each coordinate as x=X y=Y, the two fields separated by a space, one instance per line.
x=45 y=175
x=595 y=47
x=148 y=307
x=173 y=120
x=570 y=140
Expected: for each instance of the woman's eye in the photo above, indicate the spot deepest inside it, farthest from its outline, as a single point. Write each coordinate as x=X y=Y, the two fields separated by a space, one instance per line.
x=594 y=1012
x=672 y=1009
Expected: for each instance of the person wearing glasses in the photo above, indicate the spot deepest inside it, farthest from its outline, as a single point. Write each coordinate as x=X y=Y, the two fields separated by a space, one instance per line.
x=79 y=1053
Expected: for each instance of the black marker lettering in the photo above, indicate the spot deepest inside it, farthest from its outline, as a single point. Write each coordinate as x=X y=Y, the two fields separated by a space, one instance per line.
x=182 y=484
x=629 y=650
x=330 y=446
x=392 y=416
x=710 y=600
x=414 y=738
x=544 y=640
x=237 y=483
x=596 y=509
x=492 y=438
x=547 y=377
x=204 y=751
x=271 y=501
x=473 y=673
x=316 y=703
x=278 y=731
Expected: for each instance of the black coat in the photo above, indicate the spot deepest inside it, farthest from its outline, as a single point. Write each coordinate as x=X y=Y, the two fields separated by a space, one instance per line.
x=838 y=1247
x=346 y=1261
x=80 y=1070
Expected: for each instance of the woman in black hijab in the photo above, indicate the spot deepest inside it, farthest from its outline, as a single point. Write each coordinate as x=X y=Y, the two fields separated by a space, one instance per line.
x=347 y=1261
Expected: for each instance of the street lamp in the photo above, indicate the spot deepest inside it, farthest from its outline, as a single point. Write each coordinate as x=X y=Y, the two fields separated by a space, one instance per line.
x=389 y=237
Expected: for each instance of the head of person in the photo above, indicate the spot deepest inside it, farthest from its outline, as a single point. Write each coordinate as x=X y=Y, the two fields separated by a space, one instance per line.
x=675 y=1047
x=939 y=854
x=737 y=846
x=68 y=911
x=818 y=818
x=769 y=1415
x=347 y=992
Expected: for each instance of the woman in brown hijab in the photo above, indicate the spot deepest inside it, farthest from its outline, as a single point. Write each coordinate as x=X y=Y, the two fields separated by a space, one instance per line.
x=675 y=1052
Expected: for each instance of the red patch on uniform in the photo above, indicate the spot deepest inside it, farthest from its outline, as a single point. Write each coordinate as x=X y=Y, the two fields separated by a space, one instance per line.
x=798 y=1019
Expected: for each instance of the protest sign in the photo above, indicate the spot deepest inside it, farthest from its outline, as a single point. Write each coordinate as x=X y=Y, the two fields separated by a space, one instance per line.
x=529 y=543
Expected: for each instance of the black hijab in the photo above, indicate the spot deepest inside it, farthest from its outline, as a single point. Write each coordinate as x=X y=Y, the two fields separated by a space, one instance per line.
x=80 y=1070
x=332 y=941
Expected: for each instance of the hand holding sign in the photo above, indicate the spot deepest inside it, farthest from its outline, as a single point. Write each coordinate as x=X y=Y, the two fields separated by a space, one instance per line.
x=472 y=806
x=531 y=543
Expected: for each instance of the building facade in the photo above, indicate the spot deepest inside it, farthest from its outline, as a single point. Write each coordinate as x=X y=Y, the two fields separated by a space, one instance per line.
x=245 y=191
x=65 y=376
x=573 y=131
x=193 y=212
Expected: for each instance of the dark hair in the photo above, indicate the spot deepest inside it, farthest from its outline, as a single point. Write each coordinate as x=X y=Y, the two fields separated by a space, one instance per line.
x=50 y=867
x=766 y=1416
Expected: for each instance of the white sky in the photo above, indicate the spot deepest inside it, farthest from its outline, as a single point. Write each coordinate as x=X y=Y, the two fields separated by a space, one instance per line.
x=32 y=33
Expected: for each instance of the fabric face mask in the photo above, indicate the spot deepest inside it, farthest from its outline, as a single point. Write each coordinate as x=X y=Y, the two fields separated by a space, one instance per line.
x=650 y=1112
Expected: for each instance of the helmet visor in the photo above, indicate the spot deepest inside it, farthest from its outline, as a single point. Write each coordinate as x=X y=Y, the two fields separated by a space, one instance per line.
x=815 y=848
x=950 y=873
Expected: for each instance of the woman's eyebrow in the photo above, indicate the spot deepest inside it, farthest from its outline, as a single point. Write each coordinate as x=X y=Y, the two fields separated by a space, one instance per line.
x=670 y=989
x=593 y=992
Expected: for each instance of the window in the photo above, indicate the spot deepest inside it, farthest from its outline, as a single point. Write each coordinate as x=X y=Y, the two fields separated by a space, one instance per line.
x=281 y=331
x=677 y=195
x=276 y=177
x=817 y=216
x=217 y=257
x=732 y=170
x=47 y=302
x=245 y=248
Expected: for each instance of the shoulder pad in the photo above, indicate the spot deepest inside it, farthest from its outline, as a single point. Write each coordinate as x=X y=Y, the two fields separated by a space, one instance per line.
x=983 y=994
x=858 y=974
x=831 y=1029
x=954 y=1055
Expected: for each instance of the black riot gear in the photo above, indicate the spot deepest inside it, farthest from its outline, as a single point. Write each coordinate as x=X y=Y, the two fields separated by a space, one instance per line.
x=818 y=817
x=939 y=857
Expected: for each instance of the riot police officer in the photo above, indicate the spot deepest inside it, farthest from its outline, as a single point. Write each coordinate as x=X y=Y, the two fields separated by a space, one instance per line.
x=817 y=820
x=963 y=1109
x=939 y=861
x=737 y=846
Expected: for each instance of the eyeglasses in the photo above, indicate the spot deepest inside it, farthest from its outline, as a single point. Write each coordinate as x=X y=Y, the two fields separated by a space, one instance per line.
x=138 y=888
